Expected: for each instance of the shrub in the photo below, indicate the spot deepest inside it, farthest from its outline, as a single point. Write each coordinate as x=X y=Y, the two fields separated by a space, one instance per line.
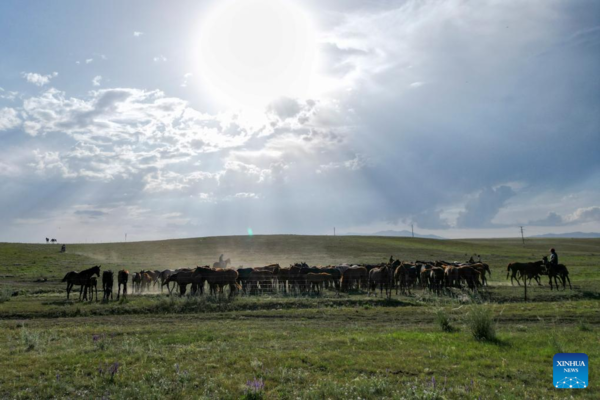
x=481 y=323
x=443 y=320
x=5 y=295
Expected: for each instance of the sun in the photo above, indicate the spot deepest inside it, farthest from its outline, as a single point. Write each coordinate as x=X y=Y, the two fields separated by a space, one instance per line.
x=250 y=52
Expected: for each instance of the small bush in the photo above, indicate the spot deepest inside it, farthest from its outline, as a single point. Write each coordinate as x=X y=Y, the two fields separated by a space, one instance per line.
x=443 y=320
x=30 y=339
x=481 y=323
x=5 y=295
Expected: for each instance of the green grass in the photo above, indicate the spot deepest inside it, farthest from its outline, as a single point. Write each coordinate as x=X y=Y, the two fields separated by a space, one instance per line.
x=330 y=346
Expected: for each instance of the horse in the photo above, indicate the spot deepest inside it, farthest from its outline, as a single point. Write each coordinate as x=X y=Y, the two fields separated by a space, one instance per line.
x=54 y=240
x=217 y=279
x=470 y=275
x=382 y=277
x=107 y=285
x=183 y=277
x=92 y=286
x=163 y=278
x=436 y=279
x=137 y=282
x=555 y=271
x=405 y=277
x=514 y=270
x=222 y=264
x=47 y=240
x=262 y=278
x=354 y=275
x=80 y=278
x=482 y=268
x=122 y=279
x=146 y=280
x=315 y=280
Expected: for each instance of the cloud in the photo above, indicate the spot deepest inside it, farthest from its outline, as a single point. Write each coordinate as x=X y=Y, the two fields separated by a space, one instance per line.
x=9 y=119
x=186 y=78
x=552 y=219
x=89 y=60
x=38 y=79
x=160 y=58
x=137 y=33
x=94 y=214
x=430 y=219
x=582 y=215
x=96 y=81
x=480 y=210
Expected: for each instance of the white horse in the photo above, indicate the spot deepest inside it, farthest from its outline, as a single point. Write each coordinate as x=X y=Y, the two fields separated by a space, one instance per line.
x=222 y=264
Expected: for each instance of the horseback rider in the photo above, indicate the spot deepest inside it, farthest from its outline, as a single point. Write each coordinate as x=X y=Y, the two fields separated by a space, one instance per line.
x=553 y=257
x=221 y=259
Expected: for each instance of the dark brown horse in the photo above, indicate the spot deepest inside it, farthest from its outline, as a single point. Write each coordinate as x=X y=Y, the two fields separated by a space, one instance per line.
x=559 y=271
x=108 y=280
x=218 y=279
x=80 y=278
x=122 y=279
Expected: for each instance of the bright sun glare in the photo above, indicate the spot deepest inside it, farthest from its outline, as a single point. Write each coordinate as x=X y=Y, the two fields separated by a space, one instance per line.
x=252 y=51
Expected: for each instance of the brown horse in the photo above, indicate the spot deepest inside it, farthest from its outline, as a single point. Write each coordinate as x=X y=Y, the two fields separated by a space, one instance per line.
x=91 y=286
x=80 y=278
x=182 y=278
x=146 y=280
x=108 y=280
x=559 y=271
x=217 y=279
x=262 y=279
x=122 y=279
x=354 y=276
x=314 y=281
x=382 y=277
x=483 y=269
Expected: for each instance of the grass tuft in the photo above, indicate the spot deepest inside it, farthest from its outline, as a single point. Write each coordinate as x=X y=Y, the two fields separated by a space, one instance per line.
x=443 y=320
x=481 y=323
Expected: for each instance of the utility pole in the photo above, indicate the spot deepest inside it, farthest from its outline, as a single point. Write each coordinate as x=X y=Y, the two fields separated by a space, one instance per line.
x=522 y=236
x=412 y=229
x=334 y=231
x=125 y=237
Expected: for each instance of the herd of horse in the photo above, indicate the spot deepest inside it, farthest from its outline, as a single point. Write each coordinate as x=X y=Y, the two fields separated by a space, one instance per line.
x=298 y=278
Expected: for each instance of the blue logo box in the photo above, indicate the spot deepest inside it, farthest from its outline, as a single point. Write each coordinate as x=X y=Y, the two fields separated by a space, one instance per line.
x=570 y=370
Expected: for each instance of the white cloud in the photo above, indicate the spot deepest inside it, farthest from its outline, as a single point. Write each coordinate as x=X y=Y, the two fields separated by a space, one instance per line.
x=186 y=78
x=8 y=95
x=89 y=60
x=137 y=33
x=9 y=118
x=38 y=79
x=96 y=81
x=160 y=58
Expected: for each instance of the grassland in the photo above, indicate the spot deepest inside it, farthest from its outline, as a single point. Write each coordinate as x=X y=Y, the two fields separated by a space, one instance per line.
x=331 y=346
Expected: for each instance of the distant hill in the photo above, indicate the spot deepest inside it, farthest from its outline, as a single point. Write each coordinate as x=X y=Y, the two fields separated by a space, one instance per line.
x=403 y=233
x=574 y=235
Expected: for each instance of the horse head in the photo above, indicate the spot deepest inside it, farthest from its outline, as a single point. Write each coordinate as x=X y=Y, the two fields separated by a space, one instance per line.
x=96 y=270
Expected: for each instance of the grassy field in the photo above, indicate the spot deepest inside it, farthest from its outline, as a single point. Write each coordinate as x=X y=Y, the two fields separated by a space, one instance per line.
x=330 y=346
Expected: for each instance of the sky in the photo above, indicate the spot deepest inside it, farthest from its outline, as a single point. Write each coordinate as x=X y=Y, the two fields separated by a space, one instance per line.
x=158 y=120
